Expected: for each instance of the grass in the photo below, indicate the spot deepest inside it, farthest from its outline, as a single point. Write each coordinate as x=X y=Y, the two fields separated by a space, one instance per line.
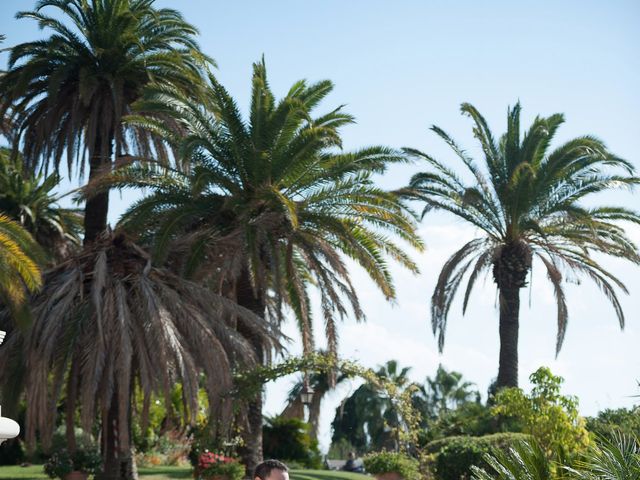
x=326 y=475
x=35 y=472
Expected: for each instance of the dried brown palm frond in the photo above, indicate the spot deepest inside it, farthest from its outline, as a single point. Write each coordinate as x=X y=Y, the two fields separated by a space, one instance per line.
x=107 y=320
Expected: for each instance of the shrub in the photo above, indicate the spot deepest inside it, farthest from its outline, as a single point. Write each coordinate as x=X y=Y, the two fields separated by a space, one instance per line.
x=83 y=460
x=547 y=415
x=12 y=452
x=212 y=465
x=289 y=439
x=454 y=456
x=378 y=463
x=609 y=422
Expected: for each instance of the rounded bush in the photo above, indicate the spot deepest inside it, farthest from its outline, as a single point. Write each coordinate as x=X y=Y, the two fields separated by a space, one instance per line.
x=454 y=456
x=378 y=463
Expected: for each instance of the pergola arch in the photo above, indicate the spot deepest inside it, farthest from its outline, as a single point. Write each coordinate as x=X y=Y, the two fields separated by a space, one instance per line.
x=249 y=382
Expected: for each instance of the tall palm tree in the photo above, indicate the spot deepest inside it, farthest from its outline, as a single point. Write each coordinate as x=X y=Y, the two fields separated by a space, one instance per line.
x=527 y=201
x=108 y=323
x=19 y=271
x=29 y=199
x=66 y=95
x=268 y=207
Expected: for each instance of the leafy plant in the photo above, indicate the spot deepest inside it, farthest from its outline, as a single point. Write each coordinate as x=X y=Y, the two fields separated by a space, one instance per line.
x=609 y=422
x=547 y=415
x=616 y=458
x=522 y=461
x=453 y=457
x=63 y=462
x=378 y=463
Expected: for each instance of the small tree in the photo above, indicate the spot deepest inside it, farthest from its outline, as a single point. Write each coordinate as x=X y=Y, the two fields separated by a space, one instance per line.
x=290 y=439
x=546 y=414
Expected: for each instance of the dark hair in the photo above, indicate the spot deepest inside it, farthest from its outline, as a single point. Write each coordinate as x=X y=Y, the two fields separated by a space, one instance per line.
x=263 y=470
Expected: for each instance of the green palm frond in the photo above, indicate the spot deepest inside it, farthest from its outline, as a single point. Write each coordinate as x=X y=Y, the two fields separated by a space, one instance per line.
x=522 y=461
x=19 y=256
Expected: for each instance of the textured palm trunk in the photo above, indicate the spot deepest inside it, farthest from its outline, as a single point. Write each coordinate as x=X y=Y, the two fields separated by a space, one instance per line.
x=96 y=207
x=511 y=267
x=251 y=452
x=509 y=326
x=118 y=465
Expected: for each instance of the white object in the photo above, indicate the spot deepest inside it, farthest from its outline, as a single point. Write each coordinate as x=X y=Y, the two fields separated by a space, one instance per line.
x=8 y=428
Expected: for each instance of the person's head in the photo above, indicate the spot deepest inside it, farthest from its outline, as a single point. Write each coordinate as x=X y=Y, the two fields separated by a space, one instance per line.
x=271 y=470
x=351 y=456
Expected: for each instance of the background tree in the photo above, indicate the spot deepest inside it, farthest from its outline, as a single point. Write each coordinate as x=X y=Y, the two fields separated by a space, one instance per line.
x=66 y=95
x=545 y=414
x=30 y=200
x=267 y=208
x=321 y=384
x=528 y=202
x=446 y=390
x=367 y=417
x=290 y=439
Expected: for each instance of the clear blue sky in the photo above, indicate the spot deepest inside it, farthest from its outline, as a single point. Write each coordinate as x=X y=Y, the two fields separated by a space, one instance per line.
x=403 y=65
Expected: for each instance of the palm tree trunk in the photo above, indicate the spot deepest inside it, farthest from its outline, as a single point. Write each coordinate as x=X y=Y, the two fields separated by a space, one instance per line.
x=509 y=325
x=96 y=207
x=251 y=452
x=117 y=465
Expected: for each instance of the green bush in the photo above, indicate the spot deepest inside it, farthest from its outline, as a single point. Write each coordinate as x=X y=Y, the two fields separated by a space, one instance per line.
x=62 y=462
x=386 y=462
x=609 y=422
x=454 y=456
x=545 y=413
x=289 y=439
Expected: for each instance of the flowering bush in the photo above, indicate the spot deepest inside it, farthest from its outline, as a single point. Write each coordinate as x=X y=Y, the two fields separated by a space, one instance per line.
x=62 y=462
x=211 y=465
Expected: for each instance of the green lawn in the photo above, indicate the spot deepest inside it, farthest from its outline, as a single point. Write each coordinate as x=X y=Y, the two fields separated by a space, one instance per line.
x=326 y=475
x=169 y=473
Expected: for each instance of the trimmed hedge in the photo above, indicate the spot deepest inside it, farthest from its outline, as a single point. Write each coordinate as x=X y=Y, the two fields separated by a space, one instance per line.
x=454 y=456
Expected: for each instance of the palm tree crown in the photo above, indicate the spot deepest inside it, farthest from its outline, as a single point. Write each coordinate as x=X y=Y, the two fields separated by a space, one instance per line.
x=528 y=202
x=67 y=94
x=273 y=197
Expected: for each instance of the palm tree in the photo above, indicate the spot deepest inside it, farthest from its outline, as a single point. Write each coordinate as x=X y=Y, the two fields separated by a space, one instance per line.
x=267 y=208
x=527 y=201
x=29 y=199
x=108 y=323
x=19 y=271
x=66 y=95
x=447 y=390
